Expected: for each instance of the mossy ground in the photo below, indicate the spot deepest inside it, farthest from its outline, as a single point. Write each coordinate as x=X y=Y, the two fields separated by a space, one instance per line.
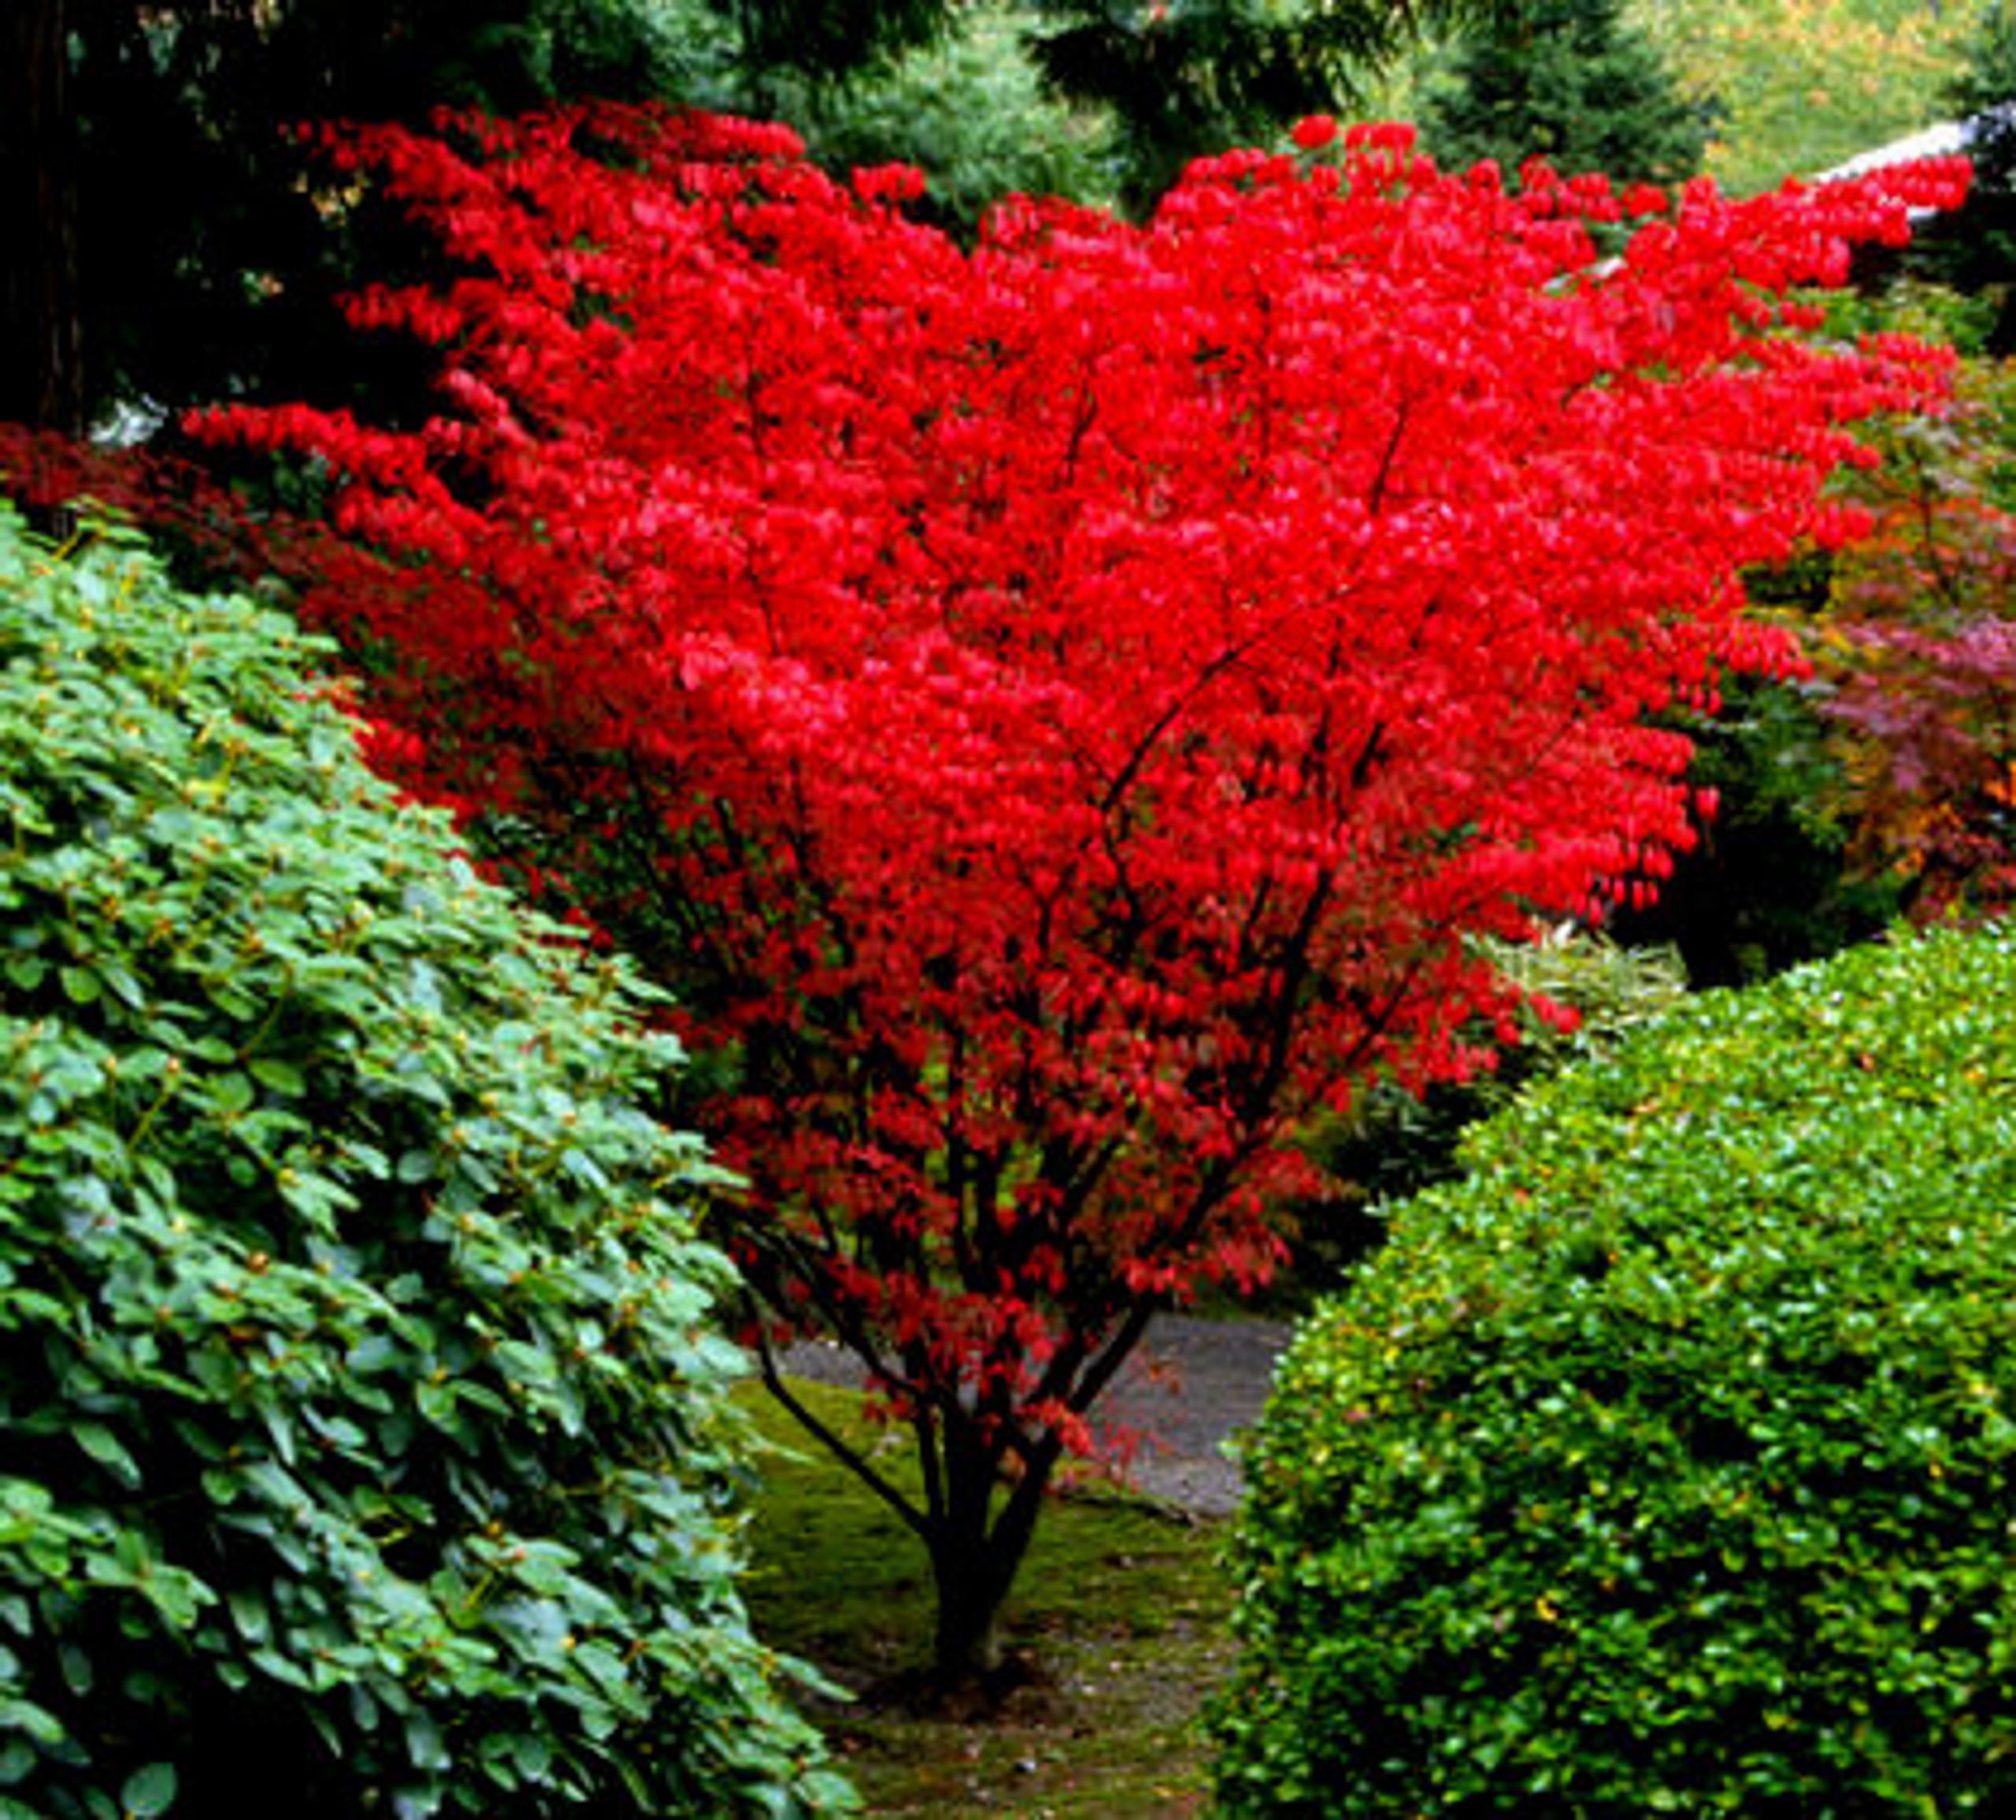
x=1115 y=1634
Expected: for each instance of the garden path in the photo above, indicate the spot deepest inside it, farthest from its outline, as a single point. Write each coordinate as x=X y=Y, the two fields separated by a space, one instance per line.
x=1193 y=1383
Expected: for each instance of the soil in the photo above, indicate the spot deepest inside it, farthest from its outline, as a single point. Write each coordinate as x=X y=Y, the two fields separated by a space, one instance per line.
x=1192 y=1385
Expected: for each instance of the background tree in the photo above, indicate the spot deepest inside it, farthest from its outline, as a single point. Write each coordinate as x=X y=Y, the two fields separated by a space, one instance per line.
x=1187 y=78
x=1985 y=88
x=1775 y=880
x=169 y=249
x=1878 y=785
x=1055 y=715
x=1975 y=250
x=1571 y=81
x=831 y=37
x=969 y=108
x=42 y=378
x=164 y=246
x=1919 y=644
x=1799 y=86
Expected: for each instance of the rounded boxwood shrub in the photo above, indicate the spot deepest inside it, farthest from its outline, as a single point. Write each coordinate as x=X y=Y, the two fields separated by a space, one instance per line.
x=1666 y=1464
x=363 y=1440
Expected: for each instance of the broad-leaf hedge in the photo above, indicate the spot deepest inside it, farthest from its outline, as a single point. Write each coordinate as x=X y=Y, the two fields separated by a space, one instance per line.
x=362 y=1440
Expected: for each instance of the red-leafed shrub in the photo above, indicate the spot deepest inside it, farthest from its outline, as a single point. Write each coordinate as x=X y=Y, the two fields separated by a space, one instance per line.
x=1920 y=628
x=1057 y=712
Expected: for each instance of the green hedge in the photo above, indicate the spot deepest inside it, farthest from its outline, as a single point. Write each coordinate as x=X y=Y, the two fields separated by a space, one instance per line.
x=1667 y=1462
x=363 y=1441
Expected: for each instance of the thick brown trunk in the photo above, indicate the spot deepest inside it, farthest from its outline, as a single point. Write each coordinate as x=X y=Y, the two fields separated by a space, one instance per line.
x=41 y=352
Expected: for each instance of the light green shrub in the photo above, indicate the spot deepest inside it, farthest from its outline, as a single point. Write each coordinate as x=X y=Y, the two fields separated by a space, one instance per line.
x=1666 y=1464
x=363 y=1446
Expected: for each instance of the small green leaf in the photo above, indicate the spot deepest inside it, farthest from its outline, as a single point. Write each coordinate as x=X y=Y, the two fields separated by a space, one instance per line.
x=17 y=1758
x=532 y=1755
x=38 y=1722
x=78 y=1674
x=424 y=1743
x=232 y=1092
x=281 y=1076
x=105 y=1447
x=248 y=1613
x=118 y=980
x=150 y=1790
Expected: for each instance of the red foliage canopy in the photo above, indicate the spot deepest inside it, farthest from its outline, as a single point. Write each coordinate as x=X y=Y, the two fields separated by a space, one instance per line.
x=1055 y=711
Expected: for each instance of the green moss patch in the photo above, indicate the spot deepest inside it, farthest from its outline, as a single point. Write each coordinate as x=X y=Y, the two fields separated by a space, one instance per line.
x=1115 y=1634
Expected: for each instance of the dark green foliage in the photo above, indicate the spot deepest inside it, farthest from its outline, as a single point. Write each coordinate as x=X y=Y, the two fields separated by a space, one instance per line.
x=202 y=253
x=206 y=264
x=830 y=37
x=209 y=250
x=1975 y=248
x=1972 y=250
x=970 y=113
x=363 y=1438
x=1985 y=92
x=1772 y=882
x=1664 y=1464
x=1183 y=79
x=1191 y=77
x=1570 y=81
x=41 y=358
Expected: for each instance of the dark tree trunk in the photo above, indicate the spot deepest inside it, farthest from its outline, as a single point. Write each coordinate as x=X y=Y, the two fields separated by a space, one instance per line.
x=969 y=1587
x=976 y=1550
x=41 y=350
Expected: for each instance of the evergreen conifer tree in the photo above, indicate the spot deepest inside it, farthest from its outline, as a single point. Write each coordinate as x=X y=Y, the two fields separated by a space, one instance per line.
x=1980 y=240
x=1570 y=81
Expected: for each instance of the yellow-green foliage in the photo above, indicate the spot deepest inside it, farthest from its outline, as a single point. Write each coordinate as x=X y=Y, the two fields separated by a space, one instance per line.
x=1804 y=85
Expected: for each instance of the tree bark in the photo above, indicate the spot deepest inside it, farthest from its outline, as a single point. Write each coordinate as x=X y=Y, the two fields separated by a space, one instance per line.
x=41 y=337
x=976 y=1549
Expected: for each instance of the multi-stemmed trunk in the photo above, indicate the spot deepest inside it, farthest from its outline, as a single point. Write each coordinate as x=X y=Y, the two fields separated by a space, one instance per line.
x=973 y=1564
x=981 y=1495
x=974 y=1524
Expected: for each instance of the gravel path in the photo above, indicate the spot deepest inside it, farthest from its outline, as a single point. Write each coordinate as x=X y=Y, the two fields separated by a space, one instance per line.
x=1191 y=1384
